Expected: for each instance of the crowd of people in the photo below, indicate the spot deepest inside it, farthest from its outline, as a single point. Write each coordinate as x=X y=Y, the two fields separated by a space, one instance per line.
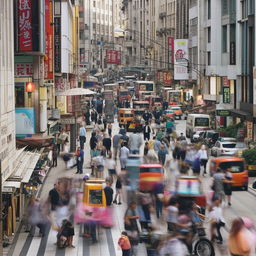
x=109 y=157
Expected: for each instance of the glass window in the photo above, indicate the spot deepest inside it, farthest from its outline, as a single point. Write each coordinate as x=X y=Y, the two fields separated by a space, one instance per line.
x=229 y=145
x=209 y=34
x=202 y=121
x=209 y=58
x=234 y=166
x=224 y=7
x=19 y=95
x=224 y=38
x=209 y=9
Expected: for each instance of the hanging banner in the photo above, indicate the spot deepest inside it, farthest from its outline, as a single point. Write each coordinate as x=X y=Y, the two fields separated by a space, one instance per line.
x=113 y=57
x=57 y=44
x=25 y=25
x=170 y=50
x=23 y=69
x=48 y=60
x=181 y=59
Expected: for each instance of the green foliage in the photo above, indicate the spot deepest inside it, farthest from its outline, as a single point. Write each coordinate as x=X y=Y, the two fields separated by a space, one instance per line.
x=231 y=131
x=250 y=156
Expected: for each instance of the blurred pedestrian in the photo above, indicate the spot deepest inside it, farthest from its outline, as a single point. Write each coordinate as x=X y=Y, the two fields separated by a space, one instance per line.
x=109 y=193
x=99 y=160
x=146 y=148
x=217 y=220
x=146 y=131
x=135 y=142
x=107 y=143
x=118 y=190
x=109 y=130
x=162 y=154
x=82 y=136
x=54 y=155
x=87 y=117
x=116 y=144
x=218 y=184
x=124 y=154
x=124 y=243
x=240 y=242
x=54 y=197
x=228 y=186
x=79 y=160
x=203 y=156
x=111 y=165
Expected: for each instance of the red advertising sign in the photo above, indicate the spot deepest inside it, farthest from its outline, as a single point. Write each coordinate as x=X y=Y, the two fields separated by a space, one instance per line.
x=171 y=49
x=48 y=60
x=25 y=25
x=167 y=78
x=23 y=69
x=113 y=57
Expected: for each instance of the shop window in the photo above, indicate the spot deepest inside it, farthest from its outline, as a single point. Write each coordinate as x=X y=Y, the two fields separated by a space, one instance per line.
x=19 y=95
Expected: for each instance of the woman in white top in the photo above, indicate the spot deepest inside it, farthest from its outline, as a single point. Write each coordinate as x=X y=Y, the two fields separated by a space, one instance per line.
x=124 y=153
x=203 y=156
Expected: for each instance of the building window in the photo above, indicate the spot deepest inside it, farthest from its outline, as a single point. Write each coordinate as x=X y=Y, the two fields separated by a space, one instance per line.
x=208 y=58
x=244 y=4
x=224 y=38
x=209 y=9
x=19 y=95
x=224 y=7
x=94 y=3
x=209 y=34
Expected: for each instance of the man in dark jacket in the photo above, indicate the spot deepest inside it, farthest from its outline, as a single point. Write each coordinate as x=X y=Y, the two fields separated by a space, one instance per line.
x=146 y=132
x=54 y=197
x=109 y=194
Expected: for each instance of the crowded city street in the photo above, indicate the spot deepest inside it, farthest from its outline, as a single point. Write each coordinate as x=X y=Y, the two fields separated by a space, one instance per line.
x=127 y=127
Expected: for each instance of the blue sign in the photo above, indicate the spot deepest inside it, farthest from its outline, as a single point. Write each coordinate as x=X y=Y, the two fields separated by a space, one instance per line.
x=25 y=121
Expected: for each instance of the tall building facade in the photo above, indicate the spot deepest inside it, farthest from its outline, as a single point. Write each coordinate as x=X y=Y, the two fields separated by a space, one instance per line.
x=99 y=32
x=7 y=103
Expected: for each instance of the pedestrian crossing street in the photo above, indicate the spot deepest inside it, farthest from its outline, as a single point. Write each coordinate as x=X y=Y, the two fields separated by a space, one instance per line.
x=45 y=246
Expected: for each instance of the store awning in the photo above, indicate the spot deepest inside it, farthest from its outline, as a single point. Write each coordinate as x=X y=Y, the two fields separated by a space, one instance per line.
x=242 y=114
x=24 y=167
x=10 y=186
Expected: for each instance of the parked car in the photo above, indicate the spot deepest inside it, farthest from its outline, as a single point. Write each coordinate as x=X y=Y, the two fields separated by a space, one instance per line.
x=236 y=166
x=224 y=149
x=227 y=139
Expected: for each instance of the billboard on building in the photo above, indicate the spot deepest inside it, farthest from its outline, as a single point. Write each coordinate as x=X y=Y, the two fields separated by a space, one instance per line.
x=181 y=59
x=23 y=69
x=25 y=121
x=113 y=57
x=48 y=60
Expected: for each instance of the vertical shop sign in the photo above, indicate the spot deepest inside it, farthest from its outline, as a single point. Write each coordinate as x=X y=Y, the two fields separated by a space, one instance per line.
x=118 y=57
x=226 y=90
x=232 y=53
x=170 y=50
x=25 y=25
x=57 y=45
x=48 y=61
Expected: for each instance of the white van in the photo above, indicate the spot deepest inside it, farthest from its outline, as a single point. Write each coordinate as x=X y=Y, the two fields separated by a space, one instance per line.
x=197 y=122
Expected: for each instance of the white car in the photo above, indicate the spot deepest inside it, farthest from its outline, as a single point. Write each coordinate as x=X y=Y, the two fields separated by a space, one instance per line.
x=224 y=149
x=196 y=136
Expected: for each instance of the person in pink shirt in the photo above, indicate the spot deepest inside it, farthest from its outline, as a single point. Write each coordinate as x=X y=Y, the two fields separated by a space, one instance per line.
x=125 y=244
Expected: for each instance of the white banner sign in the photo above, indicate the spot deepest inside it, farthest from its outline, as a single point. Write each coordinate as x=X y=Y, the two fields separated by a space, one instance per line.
x=180 y=59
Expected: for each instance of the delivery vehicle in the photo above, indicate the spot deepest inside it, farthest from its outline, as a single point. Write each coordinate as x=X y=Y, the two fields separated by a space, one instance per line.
x=197 y=122
x=140 y=104
x=177 y=112
x=144 y=86
x=236 y=165
x=224 y=149
x=154 y=101
x=150 y=175
x=125 y=116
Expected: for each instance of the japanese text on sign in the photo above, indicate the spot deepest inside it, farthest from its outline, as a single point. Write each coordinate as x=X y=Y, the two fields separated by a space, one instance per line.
x=25 y=25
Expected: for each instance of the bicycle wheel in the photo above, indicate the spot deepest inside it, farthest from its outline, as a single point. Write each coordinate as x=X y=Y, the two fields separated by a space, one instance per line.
x=204 y=247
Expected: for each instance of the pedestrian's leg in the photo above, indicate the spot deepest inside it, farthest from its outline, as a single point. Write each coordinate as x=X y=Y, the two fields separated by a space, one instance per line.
x=218 y=227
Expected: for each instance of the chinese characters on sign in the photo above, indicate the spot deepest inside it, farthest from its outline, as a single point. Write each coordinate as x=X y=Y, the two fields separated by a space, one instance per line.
x=170 y=50
x=113 y=57
x=226 y=90
x=48 y=61
x=25 y=25
x=181 y=59
x=57 y=45
x=23 y=69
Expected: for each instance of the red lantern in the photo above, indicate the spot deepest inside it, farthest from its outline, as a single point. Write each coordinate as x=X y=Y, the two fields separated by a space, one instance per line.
x=30 y=87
